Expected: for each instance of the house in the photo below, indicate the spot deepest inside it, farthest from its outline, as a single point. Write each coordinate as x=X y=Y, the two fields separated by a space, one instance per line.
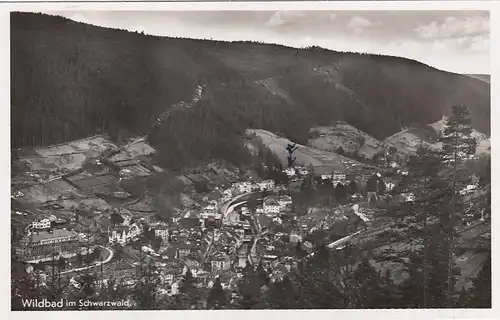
x=119 y=270
x=266 y=185
x=338 y=177
x=123 y=234
x=303 y=171
x=169 y=278
x=389 y=186
x=191 y=264
x=403 y=172
x=408 y=197
x=276 y=204
x=242 y=254
x=132 y=168
x=209 y=211
x=191 y=219
x=175 y=288
x=127 y=217
x=29 y=268
x=393 y=164
x=44 y=245
x=468 y=189
x=227 y=194
x=243 y=187
x=182 y=250
x=294 y=238
x=41 y=224
x=220 y=263
x=162 y=232
x=269 y=261
x=284 y=201
x=271 y=205
x=212 y=222
x=210 y=215
x=326 y=177
x=290 y=172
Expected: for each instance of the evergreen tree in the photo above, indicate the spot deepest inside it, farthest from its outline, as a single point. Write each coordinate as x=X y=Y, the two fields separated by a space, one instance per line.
x=368 y=284
x=372 y=183
x=249 y=288
x=340 y=192
x=145 y=293
x=419 y=224
x=457 y=145
x=189 y=294
x=381 y=187
x=281 y=295
x=116 y=218
x=217 y=298
x=262 y=275
x=480 y=293
x=299 y=251
x=352 y=188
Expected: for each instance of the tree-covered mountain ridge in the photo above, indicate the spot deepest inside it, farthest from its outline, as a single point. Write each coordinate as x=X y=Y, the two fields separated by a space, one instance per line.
x=71 y=80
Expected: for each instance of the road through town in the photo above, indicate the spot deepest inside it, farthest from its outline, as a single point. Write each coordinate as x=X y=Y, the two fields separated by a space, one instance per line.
x=97 y=264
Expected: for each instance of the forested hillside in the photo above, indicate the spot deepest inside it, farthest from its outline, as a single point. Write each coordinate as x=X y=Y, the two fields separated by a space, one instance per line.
x=71 y=80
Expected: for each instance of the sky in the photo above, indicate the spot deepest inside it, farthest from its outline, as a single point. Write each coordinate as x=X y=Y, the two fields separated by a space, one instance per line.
x=456 y=41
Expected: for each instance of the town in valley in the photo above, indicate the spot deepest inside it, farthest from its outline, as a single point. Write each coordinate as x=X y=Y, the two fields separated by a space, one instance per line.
x=156 y=172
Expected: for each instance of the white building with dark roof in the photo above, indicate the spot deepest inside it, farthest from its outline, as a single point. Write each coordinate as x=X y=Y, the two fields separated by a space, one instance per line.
x=41 y=224
x=271 y=205
x=123 y=234
x=41 y=245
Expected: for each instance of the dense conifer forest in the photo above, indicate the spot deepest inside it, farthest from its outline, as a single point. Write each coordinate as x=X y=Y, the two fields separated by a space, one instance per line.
x=71 y=80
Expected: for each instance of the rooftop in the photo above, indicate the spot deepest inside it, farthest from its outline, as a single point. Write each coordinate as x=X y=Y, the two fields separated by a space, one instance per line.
x=120 y=265
x=271 y=202
x=56 y=233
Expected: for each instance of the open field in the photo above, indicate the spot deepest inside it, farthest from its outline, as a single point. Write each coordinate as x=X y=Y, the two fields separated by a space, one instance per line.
x=306 y=156
x=345 y=136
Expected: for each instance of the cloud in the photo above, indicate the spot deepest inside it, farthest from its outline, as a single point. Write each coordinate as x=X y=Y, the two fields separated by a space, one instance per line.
x=358 y=22
x=281 y=18
x=480 y=44
x=453 y=27
x=277 y=19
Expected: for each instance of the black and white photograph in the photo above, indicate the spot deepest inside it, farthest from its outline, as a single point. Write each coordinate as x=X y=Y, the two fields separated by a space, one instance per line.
x=250 y=159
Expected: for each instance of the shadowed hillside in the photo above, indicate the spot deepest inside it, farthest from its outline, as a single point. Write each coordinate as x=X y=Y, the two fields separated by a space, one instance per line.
x=71 y=80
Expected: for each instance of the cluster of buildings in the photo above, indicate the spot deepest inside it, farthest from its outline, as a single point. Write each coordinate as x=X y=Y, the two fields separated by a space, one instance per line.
x=249 y=186
x=124 y=234
x=274 y=205
x=66 y=190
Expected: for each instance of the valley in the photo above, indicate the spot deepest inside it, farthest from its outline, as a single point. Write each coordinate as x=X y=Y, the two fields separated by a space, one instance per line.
x=179 y=173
